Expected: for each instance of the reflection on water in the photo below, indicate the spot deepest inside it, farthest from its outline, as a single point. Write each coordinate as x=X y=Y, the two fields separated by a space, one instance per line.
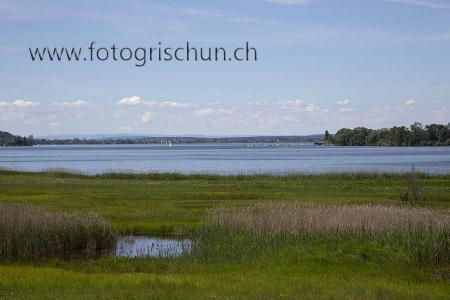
x=146 y=246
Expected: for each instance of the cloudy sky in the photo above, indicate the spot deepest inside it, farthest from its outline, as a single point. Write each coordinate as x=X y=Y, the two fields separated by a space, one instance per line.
x=322 y=64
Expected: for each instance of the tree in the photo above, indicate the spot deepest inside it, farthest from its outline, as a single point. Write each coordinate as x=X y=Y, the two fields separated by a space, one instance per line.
x=359 y=136
x=437 y=132
x=342 y=137
x=397 y=136
x=327 y=138
x=415 y=135
x=9 y=139
x=418 y=134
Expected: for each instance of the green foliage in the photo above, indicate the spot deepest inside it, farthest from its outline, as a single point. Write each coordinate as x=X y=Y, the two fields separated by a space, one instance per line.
x=7 y=139
x=416 y=135
x=328 y=138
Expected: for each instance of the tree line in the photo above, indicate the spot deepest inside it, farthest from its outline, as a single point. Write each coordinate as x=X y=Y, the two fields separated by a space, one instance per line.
x=183 y=140
x=414 y=135
x=8 y=139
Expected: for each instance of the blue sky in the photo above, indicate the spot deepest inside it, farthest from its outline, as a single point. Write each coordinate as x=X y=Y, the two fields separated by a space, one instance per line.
x=322 y=64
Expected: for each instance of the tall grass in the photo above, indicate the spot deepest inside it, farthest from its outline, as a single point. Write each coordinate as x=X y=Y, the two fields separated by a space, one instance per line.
x=164 y=176
x=422 y=232
x=28 y=232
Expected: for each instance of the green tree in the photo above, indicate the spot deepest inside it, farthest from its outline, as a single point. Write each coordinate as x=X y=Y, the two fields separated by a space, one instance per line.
x=418 y=134
x=342 y=137
x=415 y=135
x=327 y=139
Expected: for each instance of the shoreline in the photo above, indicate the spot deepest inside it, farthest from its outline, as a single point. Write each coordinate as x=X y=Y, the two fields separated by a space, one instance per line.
x=127 y=174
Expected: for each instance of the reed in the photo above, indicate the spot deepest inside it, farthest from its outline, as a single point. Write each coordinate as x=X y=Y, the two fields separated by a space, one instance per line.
x=28 y=232
x=423 y=232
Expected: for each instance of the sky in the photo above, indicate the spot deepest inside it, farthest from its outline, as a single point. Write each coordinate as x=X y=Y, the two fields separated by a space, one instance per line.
x=322 y=64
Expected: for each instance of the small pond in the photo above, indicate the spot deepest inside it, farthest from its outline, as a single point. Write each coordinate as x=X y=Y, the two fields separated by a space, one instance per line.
x=148 y=246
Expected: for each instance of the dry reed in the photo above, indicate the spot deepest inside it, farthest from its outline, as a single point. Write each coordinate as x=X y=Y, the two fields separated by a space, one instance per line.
x=28 y=232
x=424 y=232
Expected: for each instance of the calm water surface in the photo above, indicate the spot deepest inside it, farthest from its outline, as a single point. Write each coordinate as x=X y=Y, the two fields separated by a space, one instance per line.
x=147 y=246
x=226 y=158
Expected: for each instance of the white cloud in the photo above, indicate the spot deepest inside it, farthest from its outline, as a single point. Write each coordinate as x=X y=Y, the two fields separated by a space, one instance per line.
x=345 y=110
x=131 y=101
x=136 y=101
x=24 y=104
x=146 y=117
x=174 y=104
x=290 y=103
x=226 y=111
x=423 y=3
x=204 y=112
x=343 y=102
x=167 y=104
x=312 y=108
x=172 y=117
x=78 y=103
x=19 y=103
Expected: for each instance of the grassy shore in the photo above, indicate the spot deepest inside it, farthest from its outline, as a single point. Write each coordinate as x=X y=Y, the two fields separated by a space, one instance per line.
x=238 y=253
x=167 y=203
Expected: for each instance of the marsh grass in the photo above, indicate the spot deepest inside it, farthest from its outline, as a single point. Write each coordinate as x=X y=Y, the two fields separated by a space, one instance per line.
x=28 y=232
x=167 y=176
x=63 y=172
x=424 y=233
x=415 y=186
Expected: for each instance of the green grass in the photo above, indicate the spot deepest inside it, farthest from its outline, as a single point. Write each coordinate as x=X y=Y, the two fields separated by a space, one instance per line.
x=312 y=270
x=162 y=203
x=237 y=266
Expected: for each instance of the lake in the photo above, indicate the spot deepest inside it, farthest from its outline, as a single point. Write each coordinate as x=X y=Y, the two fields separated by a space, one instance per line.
x=279 y=159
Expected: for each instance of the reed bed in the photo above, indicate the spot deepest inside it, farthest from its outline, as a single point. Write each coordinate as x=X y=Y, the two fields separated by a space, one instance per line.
x=28 y=232
x=422 y=232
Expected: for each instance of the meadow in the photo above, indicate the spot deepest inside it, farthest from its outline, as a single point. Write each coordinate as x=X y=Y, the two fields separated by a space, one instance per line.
x=248 y=240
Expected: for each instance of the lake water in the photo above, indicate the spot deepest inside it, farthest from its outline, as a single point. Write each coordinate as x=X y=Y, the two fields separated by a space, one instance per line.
x=146 y=246
x=226 y=158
